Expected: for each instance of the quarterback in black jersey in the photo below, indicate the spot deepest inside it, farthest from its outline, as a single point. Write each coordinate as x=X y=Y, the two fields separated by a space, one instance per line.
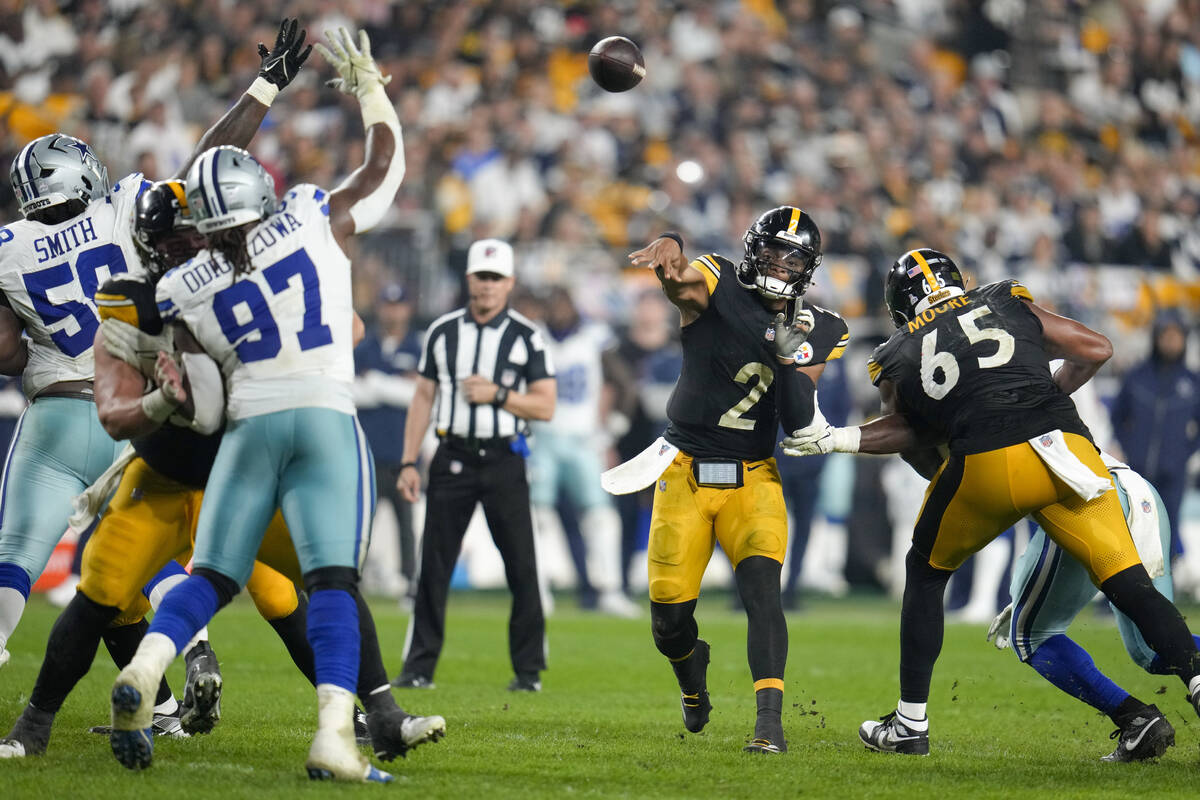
x=970 y=370
x=753 y=350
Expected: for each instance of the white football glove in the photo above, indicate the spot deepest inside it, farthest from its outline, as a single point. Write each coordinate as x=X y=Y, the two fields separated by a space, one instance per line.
x=819 y=438
x=998 y=631
x=359 y=74
x=134 y=346
x=789 y=338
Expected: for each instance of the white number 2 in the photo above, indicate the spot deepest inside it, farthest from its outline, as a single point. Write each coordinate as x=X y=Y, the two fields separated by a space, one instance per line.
x=733 y=417
x=932 y=360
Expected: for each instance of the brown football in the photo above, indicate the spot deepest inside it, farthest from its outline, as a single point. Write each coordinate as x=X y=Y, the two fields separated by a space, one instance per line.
x=616 y=64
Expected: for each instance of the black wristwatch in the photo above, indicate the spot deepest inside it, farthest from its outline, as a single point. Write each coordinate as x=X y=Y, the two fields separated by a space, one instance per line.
x=501 y=396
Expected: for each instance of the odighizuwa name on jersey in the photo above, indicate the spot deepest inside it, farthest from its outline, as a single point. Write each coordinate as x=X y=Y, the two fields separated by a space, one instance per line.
x=50 y=273
x=298 y=273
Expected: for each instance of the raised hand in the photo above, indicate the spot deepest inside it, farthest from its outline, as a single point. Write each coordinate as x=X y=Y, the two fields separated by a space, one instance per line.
x=281 y=64
x=357 y=71
x=790 y=336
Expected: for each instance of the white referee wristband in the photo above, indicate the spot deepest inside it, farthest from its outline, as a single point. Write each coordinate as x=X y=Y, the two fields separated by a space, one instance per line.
x=845 y=440
x=263 y=91
x=157 y=406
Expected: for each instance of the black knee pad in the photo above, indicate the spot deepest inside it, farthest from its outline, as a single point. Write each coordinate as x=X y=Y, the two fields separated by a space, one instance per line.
x=670 y=622
x=226 y=587
x=344 y=578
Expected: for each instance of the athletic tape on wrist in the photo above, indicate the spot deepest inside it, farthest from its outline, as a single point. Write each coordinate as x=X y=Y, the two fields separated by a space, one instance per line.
x=263 y=91
x=157 y=406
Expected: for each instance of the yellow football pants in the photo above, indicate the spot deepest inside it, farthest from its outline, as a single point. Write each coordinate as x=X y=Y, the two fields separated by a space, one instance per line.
x=973 y=499
x=150 y=520
x=688 y=519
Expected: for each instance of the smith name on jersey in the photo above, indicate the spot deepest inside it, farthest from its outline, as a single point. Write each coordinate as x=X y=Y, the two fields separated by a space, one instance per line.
x=50 y=273
x=724 y=403
x=283 y=334
x=979 y=357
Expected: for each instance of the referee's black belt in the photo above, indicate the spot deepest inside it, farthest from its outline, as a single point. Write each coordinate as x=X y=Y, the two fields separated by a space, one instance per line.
x=491 y=443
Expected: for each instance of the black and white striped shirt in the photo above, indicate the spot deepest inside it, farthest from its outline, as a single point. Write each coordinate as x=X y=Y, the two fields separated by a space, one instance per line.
x=508 y=350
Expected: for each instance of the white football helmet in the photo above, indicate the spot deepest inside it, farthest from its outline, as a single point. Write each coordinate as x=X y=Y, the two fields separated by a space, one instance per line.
x=55 y=169
x=227 y=187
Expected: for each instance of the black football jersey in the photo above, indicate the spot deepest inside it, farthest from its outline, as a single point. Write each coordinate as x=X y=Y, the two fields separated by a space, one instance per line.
x=723 y=405
x=973 y=371
x=174 y=451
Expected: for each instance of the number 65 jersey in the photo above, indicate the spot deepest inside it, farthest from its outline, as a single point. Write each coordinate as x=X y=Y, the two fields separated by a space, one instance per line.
x=50 y=273
x=974 y=371
x=282 y=334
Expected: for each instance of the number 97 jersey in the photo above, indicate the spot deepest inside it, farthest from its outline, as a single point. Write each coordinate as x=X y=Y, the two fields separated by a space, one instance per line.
x=973 y=371
x=282 y=334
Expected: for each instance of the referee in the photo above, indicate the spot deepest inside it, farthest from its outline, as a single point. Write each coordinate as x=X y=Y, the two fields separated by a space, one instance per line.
x=490 y=370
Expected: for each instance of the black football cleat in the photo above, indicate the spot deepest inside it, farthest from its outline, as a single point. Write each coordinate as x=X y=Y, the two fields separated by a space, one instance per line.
x=200 y=710
x=696 y=705
x=395 y=732
x=1145 y=736
x=890 y=735
x=30 y=735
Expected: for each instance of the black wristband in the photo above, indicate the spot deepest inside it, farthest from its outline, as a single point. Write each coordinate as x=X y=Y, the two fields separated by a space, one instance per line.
x=672 y=235
x=501 y=396
x=408 y=464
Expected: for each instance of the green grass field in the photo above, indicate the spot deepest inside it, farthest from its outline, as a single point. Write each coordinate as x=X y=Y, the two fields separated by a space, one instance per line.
x=607 y=723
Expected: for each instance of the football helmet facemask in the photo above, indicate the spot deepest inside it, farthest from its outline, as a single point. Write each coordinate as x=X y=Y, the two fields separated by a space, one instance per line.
x=783 y=249
x=918 y=280
x=163 y=228
x=56 y=169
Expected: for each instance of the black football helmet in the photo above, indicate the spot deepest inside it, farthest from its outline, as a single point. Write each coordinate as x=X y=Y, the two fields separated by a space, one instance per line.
x=163 y=229
x=785 y=238
x=918 y=280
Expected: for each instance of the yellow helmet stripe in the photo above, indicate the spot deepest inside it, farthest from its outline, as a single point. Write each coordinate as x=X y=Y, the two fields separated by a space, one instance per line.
x=794 y=221
x=180 y=195
x=925 y=270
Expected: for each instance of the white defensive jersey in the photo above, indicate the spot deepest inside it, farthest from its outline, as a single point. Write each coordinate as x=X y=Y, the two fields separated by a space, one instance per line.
x=580 y=379
x=49 y=273
x=283 y=334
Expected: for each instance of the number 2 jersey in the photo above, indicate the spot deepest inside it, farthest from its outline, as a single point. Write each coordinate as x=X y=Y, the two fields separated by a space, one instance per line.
x=974 y=371
x=50 y=273
x=724 y=404
x=282 y=334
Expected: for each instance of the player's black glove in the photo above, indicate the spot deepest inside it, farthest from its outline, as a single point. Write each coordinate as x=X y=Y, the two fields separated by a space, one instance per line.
x=280 y=64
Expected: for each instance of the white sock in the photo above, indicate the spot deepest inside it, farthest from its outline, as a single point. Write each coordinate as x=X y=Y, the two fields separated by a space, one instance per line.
x=201 y=636
x=167 y=707
x=12 y=605
x=913 y=716
x=335 y=708
x=1194 y=686
x=155 y=653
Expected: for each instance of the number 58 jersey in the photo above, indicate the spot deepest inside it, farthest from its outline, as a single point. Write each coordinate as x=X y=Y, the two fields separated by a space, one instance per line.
x=50 y=273
x=282 y=334
x=973 y=371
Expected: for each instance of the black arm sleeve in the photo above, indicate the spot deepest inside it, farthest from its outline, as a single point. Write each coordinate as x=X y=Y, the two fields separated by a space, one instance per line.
x=796 y=398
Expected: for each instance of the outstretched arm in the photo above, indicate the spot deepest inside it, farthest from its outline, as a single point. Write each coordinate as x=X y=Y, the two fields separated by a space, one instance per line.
x=684 y=286
x=365 y=196
x=240 y=123
x=1082 y=349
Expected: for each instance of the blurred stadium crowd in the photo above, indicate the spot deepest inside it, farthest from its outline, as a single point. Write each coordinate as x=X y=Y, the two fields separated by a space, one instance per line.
x=1055 y=141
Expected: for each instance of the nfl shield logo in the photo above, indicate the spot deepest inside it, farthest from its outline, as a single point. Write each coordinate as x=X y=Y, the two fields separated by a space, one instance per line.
x=508 y=377
x=662 y=485
x=1145 y=506
x=455 y=467
x=770 y=335
x=662 y=448
x=1046 y=440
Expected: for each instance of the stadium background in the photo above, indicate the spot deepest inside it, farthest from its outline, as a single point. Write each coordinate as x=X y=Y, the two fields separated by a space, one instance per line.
x=1052 y=141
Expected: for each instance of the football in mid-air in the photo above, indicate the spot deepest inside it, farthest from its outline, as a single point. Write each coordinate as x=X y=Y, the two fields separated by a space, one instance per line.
x=616 y=64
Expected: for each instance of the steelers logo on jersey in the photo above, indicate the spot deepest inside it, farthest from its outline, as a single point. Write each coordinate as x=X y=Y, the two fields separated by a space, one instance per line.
x=804 y=354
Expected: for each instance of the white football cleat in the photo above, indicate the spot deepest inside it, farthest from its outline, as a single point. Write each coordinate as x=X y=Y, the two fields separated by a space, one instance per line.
x=333 y=754
x=132 y=736
x=11 y=748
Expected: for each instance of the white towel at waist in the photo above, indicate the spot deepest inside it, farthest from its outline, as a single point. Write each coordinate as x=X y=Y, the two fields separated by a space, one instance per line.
x=88 y=503
x=1052 y=449
x=640 y=471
